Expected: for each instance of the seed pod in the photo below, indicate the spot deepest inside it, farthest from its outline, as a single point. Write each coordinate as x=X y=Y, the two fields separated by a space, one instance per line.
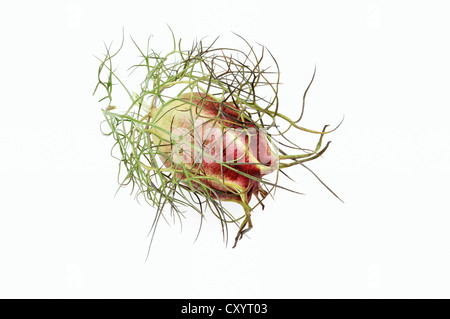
x=215 y=142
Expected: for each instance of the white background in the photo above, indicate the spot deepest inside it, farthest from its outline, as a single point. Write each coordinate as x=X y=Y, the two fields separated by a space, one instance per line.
x=383 y=64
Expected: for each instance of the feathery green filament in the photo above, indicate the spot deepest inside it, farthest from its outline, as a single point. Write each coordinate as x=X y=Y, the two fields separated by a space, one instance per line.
x=223 y=74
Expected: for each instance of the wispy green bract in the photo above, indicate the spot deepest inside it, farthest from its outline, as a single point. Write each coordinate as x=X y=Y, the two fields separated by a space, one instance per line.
x=240 y=77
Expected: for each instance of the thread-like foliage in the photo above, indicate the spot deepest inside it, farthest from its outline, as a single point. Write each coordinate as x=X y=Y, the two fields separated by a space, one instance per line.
x=225 y=75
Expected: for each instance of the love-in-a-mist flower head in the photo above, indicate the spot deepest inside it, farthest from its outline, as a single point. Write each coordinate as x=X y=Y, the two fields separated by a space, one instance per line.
x=204 y=129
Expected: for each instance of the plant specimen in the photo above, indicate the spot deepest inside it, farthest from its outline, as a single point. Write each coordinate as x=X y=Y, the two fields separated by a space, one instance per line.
x=204 y=128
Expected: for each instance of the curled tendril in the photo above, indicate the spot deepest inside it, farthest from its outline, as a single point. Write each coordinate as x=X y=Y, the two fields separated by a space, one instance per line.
x=225 y=75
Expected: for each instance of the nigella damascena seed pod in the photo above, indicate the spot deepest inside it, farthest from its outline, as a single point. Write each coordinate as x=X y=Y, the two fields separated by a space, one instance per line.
x=221 y=148
x=208 y=145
